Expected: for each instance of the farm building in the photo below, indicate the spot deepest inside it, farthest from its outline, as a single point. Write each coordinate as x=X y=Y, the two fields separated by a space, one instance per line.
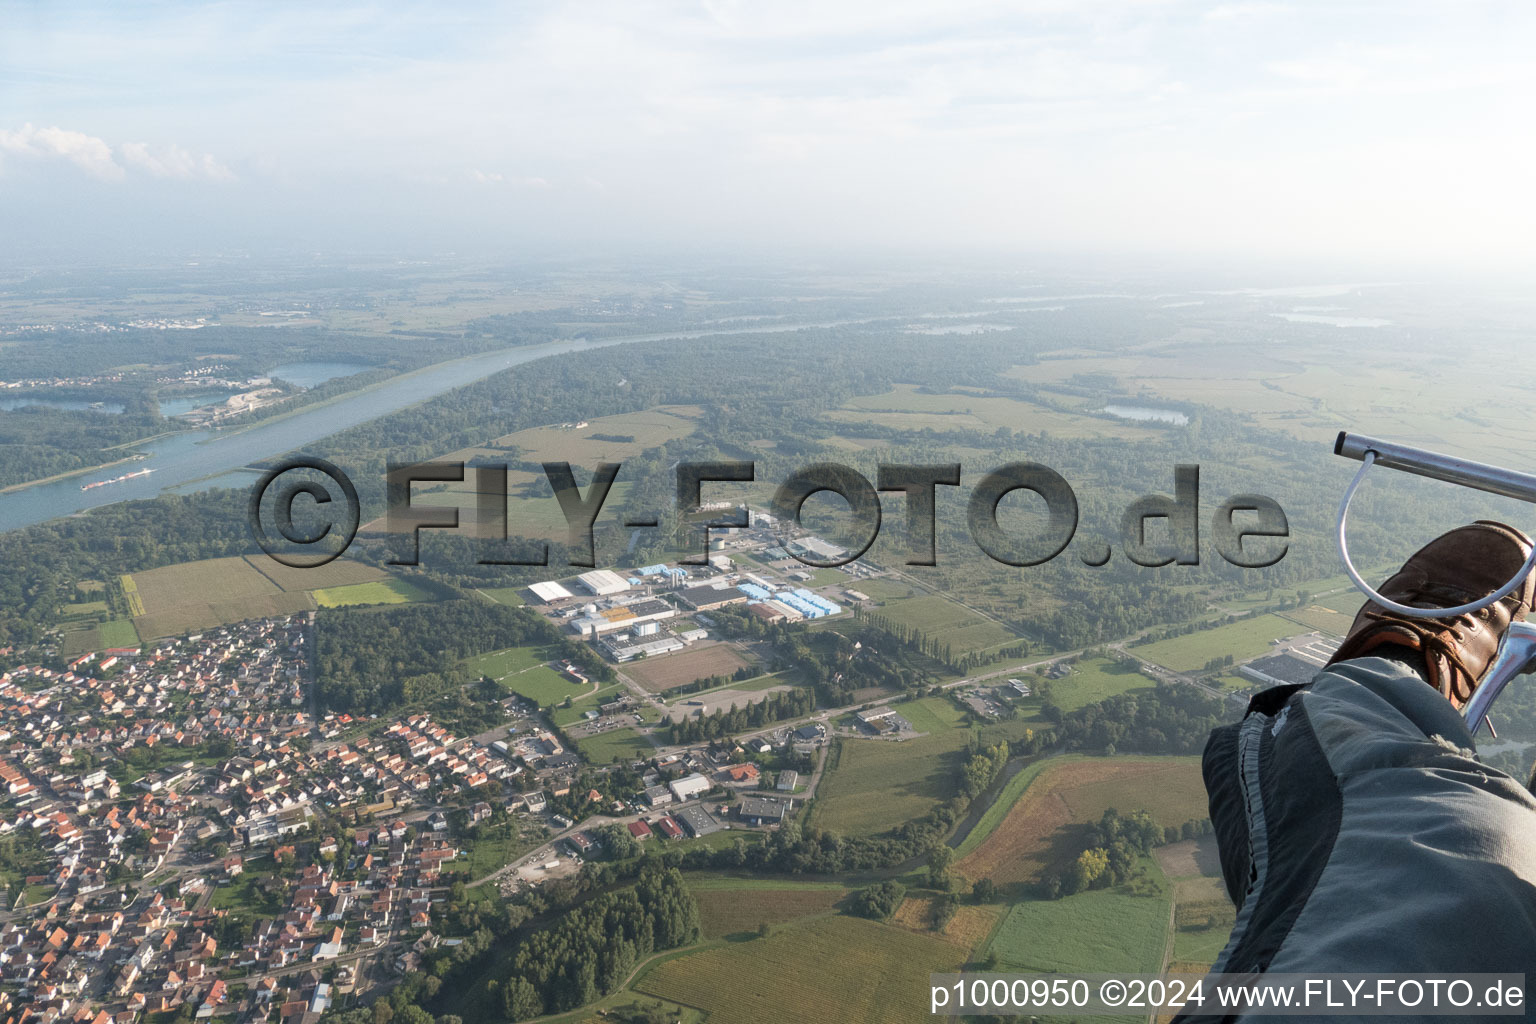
x=698 y=821
x=762 y=810
x=689 y=786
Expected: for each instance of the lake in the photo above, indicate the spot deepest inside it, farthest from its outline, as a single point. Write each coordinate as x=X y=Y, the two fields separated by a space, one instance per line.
x=309 y=375
x=1146 y=414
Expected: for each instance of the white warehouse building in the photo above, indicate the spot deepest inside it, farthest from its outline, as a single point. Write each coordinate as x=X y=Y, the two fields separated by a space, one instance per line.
x=689 y=786
x=602 y=582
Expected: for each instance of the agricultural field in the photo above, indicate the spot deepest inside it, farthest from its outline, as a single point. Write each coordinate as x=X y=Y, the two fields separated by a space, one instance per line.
x=738 y=909
x=616 y=744
x=340 y=573
x=526 y=672
x=118 y=633
x=1093 y=680
x=199 y=595
x=833 y=968
x=82 y=636
x=1325 y=617
x=907 y=408
x=1033 y=836
x=393 y=591
x=660 y=674
x=968 y=928
x=931 y=714
x=878 y=783
x=1101 y=931
x=1244 y=640
x=191 y=596
x=1203 y=914
x=598 y=440
x=946 y=621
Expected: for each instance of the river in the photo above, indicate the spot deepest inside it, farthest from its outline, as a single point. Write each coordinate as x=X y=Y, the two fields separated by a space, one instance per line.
x=192 y=459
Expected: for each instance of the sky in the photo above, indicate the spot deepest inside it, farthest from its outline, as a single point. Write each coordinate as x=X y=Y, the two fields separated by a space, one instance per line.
x=1375 y=132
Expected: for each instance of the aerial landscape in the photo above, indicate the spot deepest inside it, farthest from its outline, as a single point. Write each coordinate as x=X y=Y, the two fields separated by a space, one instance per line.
x=527 y=738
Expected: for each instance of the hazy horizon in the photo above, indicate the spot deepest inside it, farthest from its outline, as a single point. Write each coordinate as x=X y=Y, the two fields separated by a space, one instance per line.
x=1368 y=135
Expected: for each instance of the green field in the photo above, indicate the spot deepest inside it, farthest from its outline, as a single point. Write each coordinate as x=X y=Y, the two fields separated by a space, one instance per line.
x=1093 y=680
x=1325 y=617
x=524 y=671
x=950 y=623
x=879 y=784
x=623 y=744
x=1244 y=640
x=1203 y=918
x=1102 y=930
x=488 y=855
x=118 y=633
x=931 y=714
x=394 y=591
x=243 y=896
x=834 y=968
x=907 y=408
x=740 y=908
x=83 y=610
x=563 y=716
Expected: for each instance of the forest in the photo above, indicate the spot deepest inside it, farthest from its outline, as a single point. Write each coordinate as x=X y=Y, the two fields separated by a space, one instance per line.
x=372 y=659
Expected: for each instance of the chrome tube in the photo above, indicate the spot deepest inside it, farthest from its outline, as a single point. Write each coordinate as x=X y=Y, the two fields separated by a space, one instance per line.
x=1517 y=655
x=1422 y=462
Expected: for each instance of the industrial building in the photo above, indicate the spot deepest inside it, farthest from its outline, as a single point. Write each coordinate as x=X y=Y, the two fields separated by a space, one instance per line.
x=707 y=598
x=594 y=621
x=807 y=603
x=549 y=591
x=624 y=647
x=762 y=810
x=817 y=549
x=690 y=786
x=603 y=583
x=698 y=821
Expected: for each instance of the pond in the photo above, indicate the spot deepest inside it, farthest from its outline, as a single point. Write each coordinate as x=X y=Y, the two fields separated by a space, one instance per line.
x=1146 y=413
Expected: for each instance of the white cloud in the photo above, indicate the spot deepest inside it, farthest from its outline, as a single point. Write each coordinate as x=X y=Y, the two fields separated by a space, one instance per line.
x=173 y=162
x=87 y=152
x=96 y=157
